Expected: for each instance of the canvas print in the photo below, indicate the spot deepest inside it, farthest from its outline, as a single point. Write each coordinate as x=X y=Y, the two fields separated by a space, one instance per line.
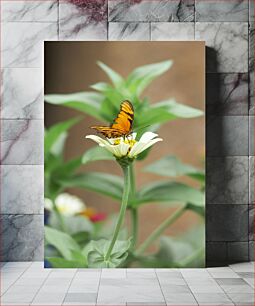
x=124 y=151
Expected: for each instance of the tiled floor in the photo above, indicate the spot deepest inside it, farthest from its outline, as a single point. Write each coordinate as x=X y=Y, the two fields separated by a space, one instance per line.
x=27 y=283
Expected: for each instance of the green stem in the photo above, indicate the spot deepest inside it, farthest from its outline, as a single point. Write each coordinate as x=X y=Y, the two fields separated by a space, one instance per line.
x=126 y=171
x=134 y=212
x=157 y=232
x=134 y=220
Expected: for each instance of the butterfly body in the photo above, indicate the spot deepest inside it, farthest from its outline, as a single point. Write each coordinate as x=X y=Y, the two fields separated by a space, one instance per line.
x=122 y=125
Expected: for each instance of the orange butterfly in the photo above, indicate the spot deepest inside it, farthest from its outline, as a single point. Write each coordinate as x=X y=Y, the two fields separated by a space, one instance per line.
x=122 y=125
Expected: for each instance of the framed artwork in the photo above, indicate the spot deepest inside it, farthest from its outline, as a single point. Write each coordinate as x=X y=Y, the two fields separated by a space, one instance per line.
x=124 y=153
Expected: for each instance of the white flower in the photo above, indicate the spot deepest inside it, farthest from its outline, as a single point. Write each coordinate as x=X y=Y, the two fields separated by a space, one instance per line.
x=128 y=146
x=66 y=204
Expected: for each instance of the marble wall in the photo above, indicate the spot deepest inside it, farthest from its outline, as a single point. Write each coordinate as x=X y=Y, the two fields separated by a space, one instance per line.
x=228 y=29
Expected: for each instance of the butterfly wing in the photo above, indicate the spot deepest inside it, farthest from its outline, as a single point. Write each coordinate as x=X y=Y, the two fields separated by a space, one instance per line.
x=108 y=131
x=124 y=121
x=122 y=124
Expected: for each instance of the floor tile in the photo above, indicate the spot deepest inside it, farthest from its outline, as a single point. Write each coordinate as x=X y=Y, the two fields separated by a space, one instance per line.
x=175 y=289
x=230 y=281
x=49 y=299
x=237 y=288
x=206 y=289
x=213 y=299
x=242 y=299
x=180 y=299
x=114 y=273
x=243 y=267
x=81 y=297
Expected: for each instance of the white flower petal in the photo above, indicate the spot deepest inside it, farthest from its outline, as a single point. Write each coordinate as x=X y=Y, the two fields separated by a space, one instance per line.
x=98 y=139
x=136 y=147
x=139 y=147
x=147 y=136
x=124 y=149
x=109 y=147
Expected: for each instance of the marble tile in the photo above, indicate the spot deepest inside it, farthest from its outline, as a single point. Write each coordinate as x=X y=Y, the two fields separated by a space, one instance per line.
x=251 y=47
x=166 y=289
x=172 y=31
x=22 y=142
x=227 y=180
x=128 y=31
x=251 y=180
x=234 y=10
x=80 y=22
x=216 y=252
x=23 y=43
x=251 y=93
x=251 y=254
x=81 y=297
x=141 y=273
x=136 y=293
x=227 y=42
x=230 y=281
x=251 y=68
x=151 y=10
x=49 y=299
x=22 y=189
x=238 y=251
x=227 y=135
x=213 y=299
x=251 y=10
x=251 y=222
x=227 y=223
x=113 y=273
x=23 y=10
x=22 y=93
x=242 y=299
x=227 y=94
x=180 y=299
x=243 y=267
x=22 y=237
x=223 y=272
x=251 y=135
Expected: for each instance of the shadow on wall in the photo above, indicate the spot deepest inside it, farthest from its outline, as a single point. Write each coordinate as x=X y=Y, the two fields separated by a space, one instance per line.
x=213 y=121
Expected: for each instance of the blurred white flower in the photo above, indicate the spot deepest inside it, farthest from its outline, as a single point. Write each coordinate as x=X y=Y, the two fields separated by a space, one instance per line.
x=128 y=146
x=48 y=204
x=66 y=204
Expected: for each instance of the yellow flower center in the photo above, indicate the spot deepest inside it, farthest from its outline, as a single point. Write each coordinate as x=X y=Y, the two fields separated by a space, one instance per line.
x=130 y=142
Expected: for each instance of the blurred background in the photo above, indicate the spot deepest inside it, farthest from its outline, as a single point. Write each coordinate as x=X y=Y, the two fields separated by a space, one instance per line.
x=71 y=67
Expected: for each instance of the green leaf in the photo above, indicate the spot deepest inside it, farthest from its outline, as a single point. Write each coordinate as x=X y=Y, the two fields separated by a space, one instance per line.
x=86 y=102
x=116 y=78
x=167 y=110
x=57 y=262
x=97 y=254
x=101 y=86
x=173 y=249
x=74 y=224
x=142 y=76
x=67 y=169
x=197 y=209
x=64 y=243
x=172 y=166
x=96 y=153
x=56 y=135
x=106 y=184
x=184 y=251
x=165 y=191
